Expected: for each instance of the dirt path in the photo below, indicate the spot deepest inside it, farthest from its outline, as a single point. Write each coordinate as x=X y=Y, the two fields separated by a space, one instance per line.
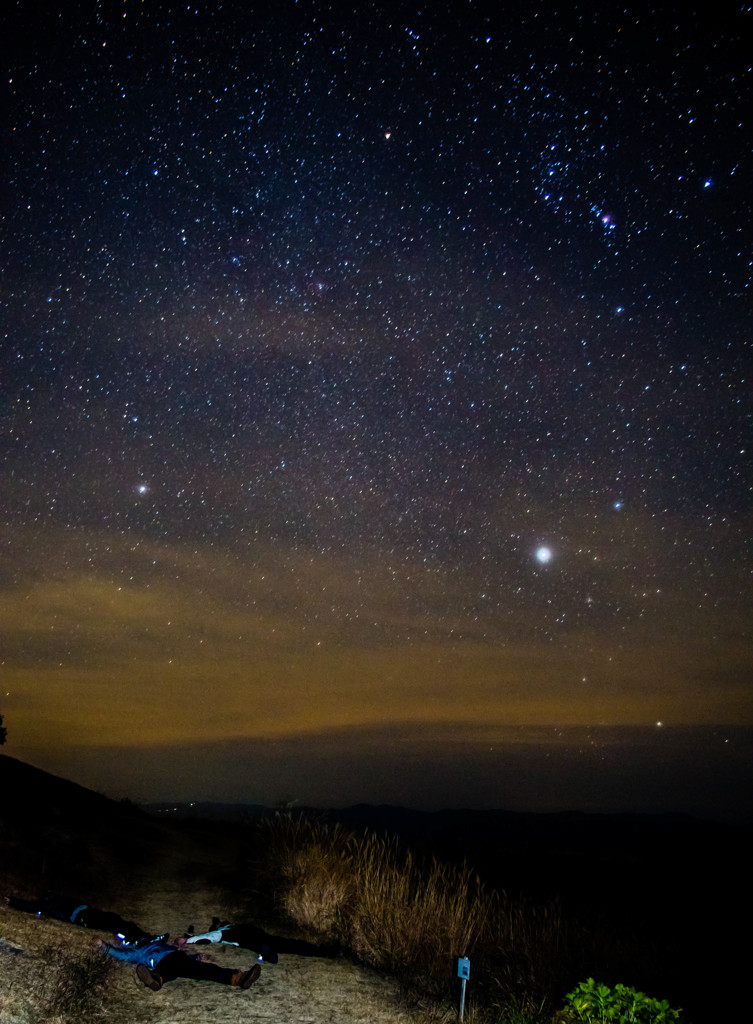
x=165 y=887
x=296 y=990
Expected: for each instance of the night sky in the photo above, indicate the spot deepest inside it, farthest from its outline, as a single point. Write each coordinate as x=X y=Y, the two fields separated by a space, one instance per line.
x=376 y=402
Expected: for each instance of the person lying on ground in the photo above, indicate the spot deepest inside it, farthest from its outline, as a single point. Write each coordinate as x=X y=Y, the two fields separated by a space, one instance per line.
x=249 y=936
x=160 y=961
x=61 y=908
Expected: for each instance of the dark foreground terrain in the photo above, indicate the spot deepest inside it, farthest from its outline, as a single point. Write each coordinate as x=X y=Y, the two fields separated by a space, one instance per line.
x=59 y=837
x=674 y=886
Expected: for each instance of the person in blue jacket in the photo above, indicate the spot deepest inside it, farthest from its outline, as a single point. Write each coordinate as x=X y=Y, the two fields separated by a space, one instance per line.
x=159 y=961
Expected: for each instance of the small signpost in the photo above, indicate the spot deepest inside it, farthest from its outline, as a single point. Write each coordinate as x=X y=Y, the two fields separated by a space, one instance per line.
x=464 y=973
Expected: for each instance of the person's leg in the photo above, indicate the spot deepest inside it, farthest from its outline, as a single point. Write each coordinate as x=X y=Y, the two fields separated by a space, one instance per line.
x=49 y=906
x=180 y=965
x=108 y=921
x=26 y=906
x=269 y=946
x=253 y=938
x=302 y=948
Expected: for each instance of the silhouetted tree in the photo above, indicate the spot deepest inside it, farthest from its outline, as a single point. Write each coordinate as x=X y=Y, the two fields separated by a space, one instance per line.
x=3 y=732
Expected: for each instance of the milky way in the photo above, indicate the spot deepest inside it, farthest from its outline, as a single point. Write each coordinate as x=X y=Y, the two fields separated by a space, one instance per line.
x=374 y=369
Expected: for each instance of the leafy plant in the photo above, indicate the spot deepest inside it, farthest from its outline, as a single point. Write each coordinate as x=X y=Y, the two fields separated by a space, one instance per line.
x=594 y=1003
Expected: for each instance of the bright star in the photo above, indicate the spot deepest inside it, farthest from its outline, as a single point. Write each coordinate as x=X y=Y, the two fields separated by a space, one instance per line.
x=543 y=555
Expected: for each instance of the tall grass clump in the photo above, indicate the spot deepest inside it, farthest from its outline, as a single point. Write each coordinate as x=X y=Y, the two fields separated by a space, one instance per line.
x=304 y=864
x=389 y=908
x=56 y=984
x=75 y=984
x=411 y=915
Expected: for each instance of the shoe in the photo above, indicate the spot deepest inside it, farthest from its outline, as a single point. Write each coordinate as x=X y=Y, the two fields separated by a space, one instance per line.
x=245 y=979
x=150 y=978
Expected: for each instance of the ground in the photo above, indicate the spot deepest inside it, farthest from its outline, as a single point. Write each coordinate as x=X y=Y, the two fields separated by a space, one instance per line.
x=297 y=990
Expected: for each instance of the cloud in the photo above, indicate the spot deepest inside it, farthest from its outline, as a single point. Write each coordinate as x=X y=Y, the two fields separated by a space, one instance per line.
x=698 y=770
x=114 y=638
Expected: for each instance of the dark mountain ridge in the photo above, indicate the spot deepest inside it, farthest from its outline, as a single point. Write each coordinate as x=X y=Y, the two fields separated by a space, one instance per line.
x=534 y=852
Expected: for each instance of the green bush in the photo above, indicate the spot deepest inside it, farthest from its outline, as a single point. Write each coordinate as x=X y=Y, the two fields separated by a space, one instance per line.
x=594 y=1003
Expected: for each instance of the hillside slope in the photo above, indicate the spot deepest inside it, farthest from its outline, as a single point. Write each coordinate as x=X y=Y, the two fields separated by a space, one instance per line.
x=57 y=836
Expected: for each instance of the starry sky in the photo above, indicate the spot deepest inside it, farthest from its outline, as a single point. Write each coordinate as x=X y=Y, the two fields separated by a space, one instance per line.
x=376 y=402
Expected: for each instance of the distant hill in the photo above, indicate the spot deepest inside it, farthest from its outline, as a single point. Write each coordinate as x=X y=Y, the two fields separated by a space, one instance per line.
x=540 y=854
x=29 y=793
x=57 y=823
x=55 y=834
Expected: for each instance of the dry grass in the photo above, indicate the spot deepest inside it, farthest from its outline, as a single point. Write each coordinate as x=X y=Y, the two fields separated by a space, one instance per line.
x=413 y=917
x=45 y=975
x=398 y=914
x=390 y=909
x=318 y=884
x=48 y=971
